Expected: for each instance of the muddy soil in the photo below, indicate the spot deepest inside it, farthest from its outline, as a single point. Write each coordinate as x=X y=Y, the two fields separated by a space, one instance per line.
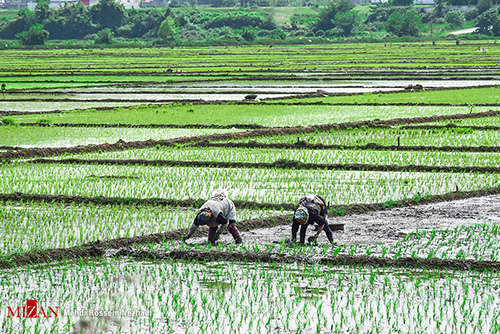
x=389 y=226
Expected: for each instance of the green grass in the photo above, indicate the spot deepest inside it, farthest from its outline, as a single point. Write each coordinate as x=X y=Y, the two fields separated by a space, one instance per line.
x=9 y=14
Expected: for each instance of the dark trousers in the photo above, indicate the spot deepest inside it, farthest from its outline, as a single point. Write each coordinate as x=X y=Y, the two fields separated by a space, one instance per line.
x=231 y=228
x=314 y=217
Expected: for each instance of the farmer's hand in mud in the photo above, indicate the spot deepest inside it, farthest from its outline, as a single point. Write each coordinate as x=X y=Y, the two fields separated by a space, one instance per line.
x=313 y=240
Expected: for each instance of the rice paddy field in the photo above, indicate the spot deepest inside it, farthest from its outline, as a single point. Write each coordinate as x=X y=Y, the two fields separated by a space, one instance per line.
x=107 y=154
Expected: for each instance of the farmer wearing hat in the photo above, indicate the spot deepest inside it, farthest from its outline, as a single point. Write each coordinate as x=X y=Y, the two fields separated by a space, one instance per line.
x=218 y=213
x=312 y=209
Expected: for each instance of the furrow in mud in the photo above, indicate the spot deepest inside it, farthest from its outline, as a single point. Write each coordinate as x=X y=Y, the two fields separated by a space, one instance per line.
x=285 y=164
x=11 y=148
x=339 y=260
x=122 y=145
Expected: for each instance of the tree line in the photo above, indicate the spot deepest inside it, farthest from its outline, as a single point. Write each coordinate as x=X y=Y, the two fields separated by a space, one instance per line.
x=108 y=20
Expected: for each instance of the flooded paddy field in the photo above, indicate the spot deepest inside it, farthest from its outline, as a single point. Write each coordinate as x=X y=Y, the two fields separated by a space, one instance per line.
x=105 y=161
x=44 y=137
x=127 y=296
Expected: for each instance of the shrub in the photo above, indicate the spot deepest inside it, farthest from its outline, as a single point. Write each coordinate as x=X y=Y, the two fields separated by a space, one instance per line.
x=248 y=34
x=455 y=18
x=36 y=35
x=105 y=36
x=277 y=34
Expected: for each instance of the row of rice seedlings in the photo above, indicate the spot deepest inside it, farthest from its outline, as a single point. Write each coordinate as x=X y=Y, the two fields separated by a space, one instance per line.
x=478 y=242
x=260 y=185
x=269 y=155
x=407 y=137
x=484 y=121
x=329 y=58
x=27 y=136
x=217 y=297
x=473 y=242
x=31 y=226
x=33 y=106
x=267 y=115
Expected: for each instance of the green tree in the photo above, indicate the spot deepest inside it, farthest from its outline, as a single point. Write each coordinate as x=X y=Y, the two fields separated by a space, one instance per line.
x=70 y=22
x=440 y=7
x=24 y=20
x=455 y=18
x=488 y=22
x=327 y=15
x=78 y=21
x=346 y=22
x=107 y=14
x=168 y=31
x=483 y=6
x=36 y=35
x=42 y=10
x=404 y=23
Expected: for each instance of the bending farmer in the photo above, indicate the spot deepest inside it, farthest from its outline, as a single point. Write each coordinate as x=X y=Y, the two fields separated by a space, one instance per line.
x=218 y=213
x=312 y=209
